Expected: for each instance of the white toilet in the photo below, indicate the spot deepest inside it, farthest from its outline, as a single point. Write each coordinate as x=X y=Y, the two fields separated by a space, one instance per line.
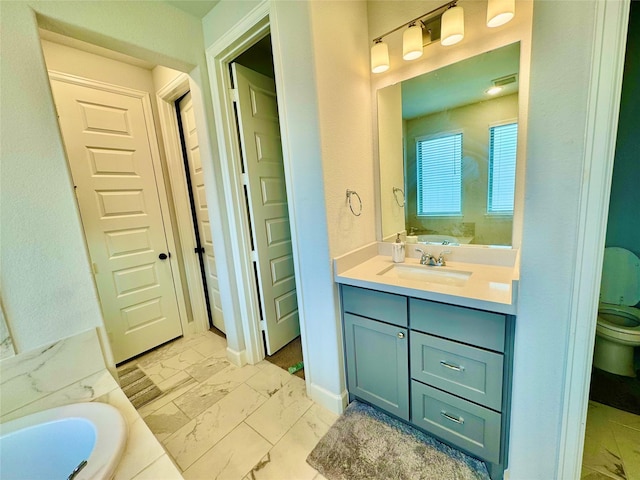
x=618 y=328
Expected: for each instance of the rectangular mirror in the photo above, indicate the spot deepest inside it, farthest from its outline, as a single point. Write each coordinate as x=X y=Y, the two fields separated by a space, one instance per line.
x=447 y=151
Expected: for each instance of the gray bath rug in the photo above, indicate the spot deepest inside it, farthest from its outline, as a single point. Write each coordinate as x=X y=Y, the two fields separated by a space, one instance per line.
x=138 y=388
x=367 y=444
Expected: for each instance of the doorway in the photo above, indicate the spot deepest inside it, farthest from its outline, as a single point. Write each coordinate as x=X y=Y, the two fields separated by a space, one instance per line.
x=259 y=155
x=253 y=29
x=129 y=210
x=194 y=176
x=613 y=417
x=109 y=153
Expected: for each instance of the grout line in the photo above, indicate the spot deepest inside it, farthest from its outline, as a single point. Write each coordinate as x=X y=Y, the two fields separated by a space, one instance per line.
x=266 y=439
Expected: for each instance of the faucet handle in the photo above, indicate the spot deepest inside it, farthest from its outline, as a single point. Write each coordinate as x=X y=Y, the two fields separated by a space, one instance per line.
x=441 y=260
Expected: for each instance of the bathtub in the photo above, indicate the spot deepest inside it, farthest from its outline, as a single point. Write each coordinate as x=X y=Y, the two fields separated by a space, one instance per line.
x=443 y=240
x=78 y=441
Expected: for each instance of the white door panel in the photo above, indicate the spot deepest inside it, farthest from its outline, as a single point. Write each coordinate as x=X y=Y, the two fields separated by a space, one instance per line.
x=190 y=136
x=107 y=143
x=262 y=157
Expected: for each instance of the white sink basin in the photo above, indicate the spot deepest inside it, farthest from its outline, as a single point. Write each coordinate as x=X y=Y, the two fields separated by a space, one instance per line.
x=424 y=273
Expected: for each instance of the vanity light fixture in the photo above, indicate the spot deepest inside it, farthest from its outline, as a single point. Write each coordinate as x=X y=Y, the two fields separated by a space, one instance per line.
x=413 y=39
x=379 y=56
x=445 y=23
x=500 y=12
x=452 y=26
x=412 y=42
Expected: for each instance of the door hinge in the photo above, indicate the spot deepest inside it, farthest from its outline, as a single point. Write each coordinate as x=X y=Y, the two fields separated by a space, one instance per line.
x=254 y=256
x=245 y=179
x=263 y=325
x=233 y=93
x=95 y=268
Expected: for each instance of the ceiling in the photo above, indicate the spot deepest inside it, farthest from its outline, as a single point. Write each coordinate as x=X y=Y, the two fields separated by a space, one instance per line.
x=196 y=8
x=461 y=83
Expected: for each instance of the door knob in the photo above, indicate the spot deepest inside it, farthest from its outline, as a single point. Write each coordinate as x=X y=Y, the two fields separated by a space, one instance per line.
x=163 y=256
x=400 y=335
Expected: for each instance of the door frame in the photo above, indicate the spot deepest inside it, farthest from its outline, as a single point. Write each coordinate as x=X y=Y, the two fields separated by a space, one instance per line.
x=167 y=221
x=607 y=61
x=166 y=98
x=251 y=28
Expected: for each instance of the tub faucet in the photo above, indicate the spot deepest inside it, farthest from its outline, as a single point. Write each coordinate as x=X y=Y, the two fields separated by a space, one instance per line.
x=426 y=258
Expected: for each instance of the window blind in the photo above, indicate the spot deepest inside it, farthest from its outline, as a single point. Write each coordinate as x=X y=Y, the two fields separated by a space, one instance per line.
x=502 y=168
x=439 y=177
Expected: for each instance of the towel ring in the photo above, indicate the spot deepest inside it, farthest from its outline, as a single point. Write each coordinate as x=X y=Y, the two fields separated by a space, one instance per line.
x=349 y=194
x=395 y=195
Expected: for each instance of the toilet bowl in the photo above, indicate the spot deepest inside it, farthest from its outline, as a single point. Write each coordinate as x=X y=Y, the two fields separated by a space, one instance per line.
x=618 y=327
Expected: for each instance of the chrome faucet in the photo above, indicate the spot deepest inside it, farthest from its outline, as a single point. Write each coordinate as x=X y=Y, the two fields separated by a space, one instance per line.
x=426 y=258
x=430 y=260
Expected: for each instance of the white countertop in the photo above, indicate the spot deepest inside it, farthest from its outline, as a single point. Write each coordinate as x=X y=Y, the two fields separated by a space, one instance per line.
x=491 y=287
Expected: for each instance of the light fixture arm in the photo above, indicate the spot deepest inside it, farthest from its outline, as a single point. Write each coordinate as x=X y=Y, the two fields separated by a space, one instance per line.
x=421 y=18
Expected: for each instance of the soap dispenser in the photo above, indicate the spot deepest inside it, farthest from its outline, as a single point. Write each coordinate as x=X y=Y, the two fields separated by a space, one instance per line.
x=397 y=250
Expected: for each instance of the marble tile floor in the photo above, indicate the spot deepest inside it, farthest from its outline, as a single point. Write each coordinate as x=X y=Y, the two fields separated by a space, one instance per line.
x=220 y=421
x=612 y=444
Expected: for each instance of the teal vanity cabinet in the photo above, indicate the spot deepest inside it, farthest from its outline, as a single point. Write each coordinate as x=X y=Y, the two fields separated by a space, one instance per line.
x=443 y=368
x=376 y=338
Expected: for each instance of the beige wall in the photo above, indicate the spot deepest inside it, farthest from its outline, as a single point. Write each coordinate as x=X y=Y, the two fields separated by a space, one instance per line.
x=344 y=104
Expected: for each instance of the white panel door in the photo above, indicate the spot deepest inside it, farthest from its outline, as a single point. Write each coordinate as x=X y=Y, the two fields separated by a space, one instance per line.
x=262 y=157
x=190 y=136
x=105 y=135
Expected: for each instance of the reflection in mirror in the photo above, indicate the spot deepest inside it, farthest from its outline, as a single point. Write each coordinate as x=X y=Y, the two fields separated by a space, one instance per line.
x=449 y=143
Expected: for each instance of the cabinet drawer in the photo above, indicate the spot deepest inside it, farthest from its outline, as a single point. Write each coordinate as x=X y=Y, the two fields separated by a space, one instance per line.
x=468 y=372
x=377 y=363
x=476 y=327
x=385 y=307
x=463 y=424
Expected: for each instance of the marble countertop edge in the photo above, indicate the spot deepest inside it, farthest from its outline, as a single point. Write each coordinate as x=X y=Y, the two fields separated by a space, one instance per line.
x=490 y=287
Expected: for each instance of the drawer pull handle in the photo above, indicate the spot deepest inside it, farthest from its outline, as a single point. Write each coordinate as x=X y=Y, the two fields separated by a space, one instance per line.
x=459 y=420
x=400 y=335
x=457 y=368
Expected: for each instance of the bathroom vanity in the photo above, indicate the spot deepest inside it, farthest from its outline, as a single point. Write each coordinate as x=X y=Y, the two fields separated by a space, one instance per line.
x=437 y=354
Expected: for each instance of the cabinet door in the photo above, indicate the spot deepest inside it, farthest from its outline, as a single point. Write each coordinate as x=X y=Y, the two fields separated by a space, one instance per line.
x=378 y=364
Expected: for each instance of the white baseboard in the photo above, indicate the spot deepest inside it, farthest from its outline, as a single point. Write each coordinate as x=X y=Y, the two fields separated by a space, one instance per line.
x=237 y=358
x=330 y=401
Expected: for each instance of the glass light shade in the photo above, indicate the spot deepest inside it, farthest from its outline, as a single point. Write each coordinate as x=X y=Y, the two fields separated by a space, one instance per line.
x=452 y=26
x=500 y=12
x=494 y=90
x=379 y=57
x=412 y=43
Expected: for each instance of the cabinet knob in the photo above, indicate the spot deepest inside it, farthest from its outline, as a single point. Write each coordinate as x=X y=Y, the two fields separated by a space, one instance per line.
x=400 y=335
